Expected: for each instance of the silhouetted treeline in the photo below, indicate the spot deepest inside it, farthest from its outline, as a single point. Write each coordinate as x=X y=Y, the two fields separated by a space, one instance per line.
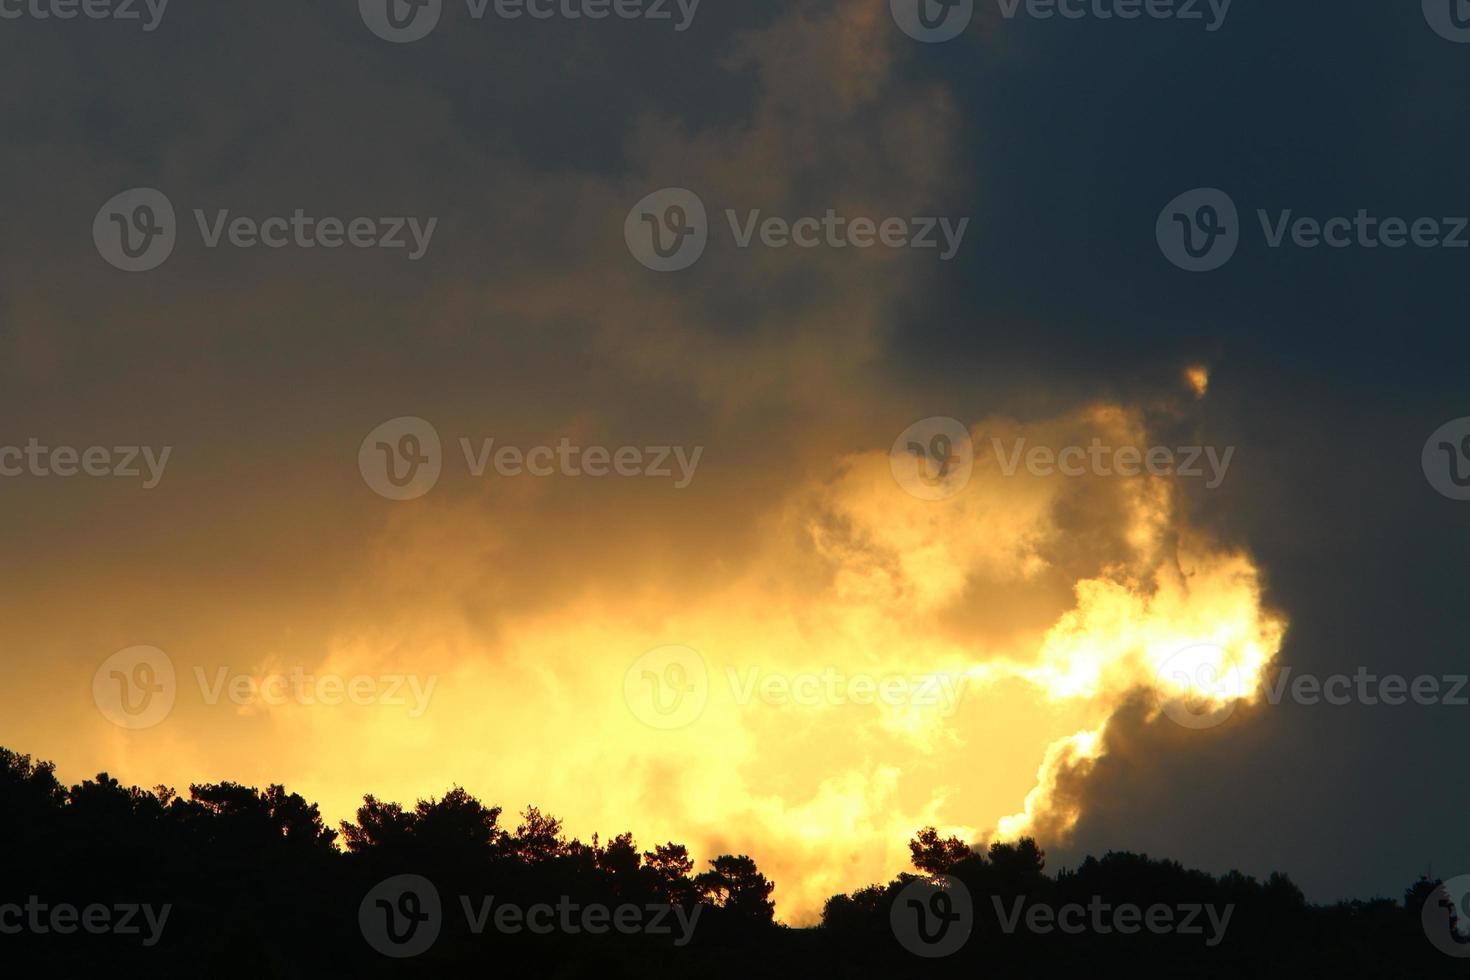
x=1272 y=931
x=255 y=884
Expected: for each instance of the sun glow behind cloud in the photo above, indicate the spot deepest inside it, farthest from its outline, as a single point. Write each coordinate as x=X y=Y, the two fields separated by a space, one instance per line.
x=1030 y=609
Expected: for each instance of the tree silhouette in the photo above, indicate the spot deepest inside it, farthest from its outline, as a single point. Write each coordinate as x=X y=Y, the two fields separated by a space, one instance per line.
x=736 y=886
x=257 y=886
x=934 y=855
x=538 y=837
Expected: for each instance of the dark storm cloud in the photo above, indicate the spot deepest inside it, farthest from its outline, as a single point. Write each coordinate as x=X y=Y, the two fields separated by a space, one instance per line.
x=1331 y=368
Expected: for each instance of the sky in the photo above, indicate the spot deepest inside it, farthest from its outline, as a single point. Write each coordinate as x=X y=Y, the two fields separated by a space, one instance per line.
x=683 y=646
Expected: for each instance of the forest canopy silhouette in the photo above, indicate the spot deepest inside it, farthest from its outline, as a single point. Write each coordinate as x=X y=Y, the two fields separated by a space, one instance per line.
x=254 y=883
